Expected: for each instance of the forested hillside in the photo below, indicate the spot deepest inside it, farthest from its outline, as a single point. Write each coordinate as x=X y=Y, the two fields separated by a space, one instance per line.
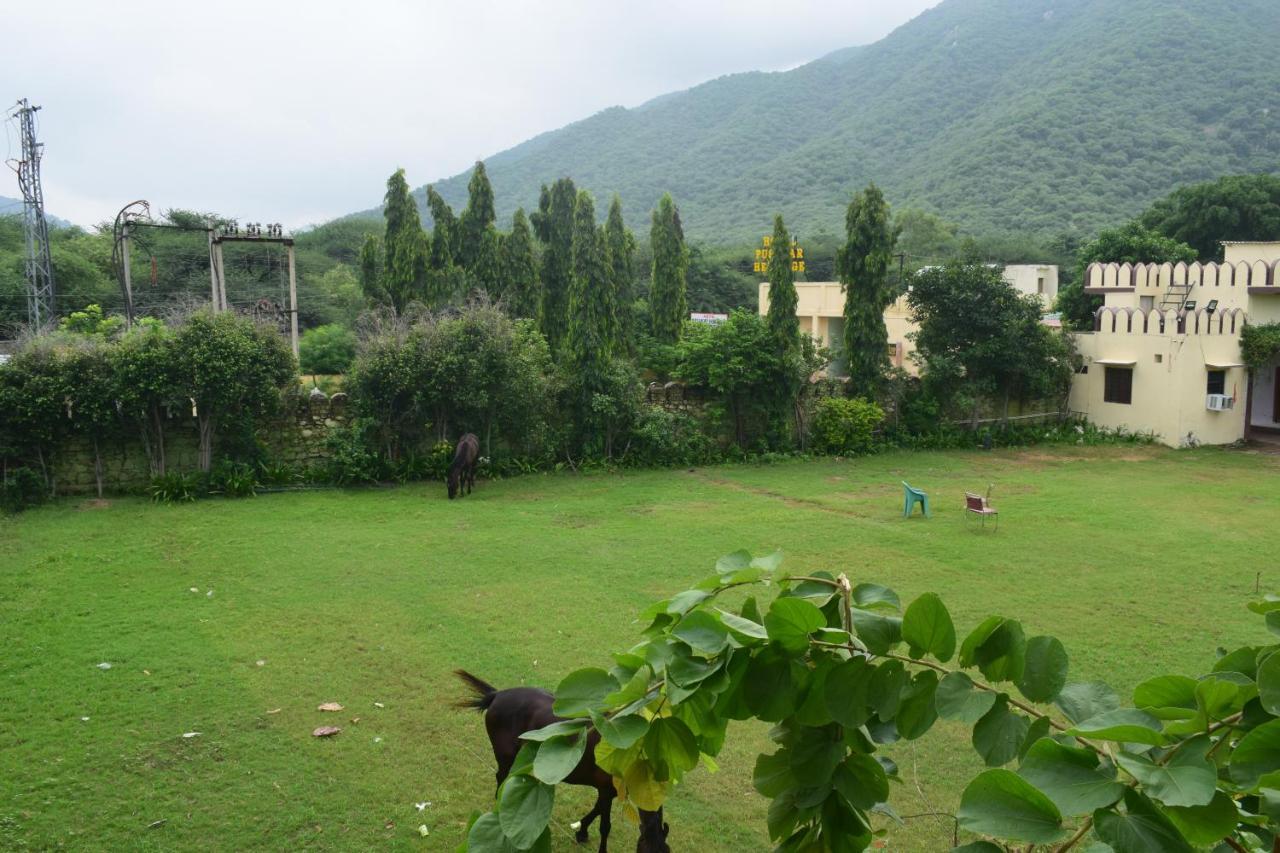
x=1037 y=116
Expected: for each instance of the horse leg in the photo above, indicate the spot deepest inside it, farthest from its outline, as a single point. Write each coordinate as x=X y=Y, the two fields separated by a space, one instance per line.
x=606 y=819
x=585 y=823
x=504 y=767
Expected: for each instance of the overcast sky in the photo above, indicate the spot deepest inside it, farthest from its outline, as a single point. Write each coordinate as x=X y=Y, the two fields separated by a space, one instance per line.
x=297 y=111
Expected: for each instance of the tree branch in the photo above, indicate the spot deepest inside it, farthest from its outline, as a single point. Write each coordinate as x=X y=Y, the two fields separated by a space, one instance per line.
x=1080 y=833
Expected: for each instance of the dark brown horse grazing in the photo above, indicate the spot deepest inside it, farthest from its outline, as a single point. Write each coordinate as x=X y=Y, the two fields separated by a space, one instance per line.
x=462 y=473
x=510 y=713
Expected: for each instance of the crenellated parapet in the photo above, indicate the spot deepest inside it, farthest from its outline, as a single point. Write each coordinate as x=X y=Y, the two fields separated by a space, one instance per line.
x=1226 y=282
x=1120 y=320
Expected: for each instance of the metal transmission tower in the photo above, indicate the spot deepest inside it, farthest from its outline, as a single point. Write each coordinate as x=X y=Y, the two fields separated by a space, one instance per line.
x=40 y=289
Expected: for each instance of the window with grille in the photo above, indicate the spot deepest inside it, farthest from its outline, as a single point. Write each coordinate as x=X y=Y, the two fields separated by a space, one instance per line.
x=1118 y=387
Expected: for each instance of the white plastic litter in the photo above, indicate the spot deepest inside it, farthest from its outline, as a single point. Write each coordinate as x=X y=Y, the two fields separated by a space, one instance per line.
x=104 y=665
x=191 y=734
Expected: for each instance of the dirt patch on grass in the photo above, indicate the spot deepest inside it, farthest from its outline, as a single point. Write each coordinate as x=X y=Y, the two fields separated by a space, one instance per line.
x=95 y=503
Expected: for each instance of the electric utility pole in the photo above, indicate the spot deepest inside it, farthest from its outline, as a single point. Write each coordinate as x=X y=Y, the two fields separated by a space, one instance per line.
x=40 y=288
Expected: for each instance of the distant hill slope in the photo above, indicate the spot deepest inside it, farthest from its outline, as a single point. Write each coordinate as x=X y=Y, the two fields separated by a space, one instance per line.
x=13 y=207
x=1046 y=116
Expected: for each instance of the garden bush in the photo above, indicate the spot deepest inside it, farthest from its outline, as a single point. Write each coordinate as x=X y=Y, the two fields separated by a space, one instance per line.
x=844 y=426
x=326 y=349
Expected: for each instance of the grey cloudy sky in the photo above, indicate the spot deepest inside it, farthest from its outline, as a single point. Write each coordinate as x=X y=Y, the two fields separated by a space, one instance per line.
x=297 y=111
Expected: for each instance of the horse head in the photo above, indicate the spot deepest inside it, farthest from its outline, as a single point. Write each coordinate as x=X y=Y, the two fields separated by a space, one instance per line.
x=454 y=482
x=653 y=833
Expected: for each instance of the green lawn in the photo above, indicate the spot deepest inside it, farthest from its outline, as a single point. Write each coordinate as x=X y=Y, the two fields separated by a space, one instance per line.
x=1140 y=559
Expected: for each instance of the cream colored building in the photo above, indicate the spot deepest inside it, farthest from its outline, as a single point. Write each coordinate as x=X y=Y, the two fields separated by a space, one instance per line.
x=820 y=307
x=1164 y=354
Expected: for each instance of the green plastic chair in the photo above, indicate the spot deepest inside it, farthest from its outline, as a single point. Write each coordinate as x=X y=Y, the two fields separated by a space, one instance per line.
x=912 y=497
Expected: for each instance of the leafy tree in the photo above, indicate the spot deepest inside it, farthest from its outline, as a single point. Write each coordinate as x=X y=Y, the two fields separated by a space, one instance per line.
x=486 y=268
x=477 y=219
x=91 y=322
x=92 y=391
x=233 y=369
x=621 y=245
x=667 y=293
x=327 y=349
x=924 y=237
x=978 y=334
x=1236 y=207
x=784 y=323
x=146 y=368
x=739 y=364
x=862 y=265
x=1132 y=243
x=445 y=234
x=371 y=266
x=591 y=337
x=404 y=275
x=554 y=225
x=715 y=281
x=33 y=395
x=841 y=669
x=520 y=293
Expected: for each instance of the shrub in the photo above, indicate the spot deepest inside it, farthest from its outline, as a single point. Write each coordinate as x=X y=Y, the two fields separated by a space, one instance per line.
x=20 y=489
x=670 y=438
x=175 y=488
x=846 y=426
x=327 y=349
x=353 y=457
x=233 y=479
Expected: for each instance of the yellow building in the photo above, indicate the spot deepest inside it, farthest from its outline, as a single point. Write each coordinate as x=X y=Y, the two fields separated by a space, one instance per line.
x=1164 y=353
x=820 y=307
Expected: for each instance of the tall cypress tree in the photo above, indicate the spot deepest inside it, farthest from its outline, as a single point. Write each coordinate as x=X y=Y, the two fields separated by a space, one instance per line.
x=621 y=244
x=444 y=232
x=486 y=268
x=667 y=302
x=556 y=223
x=521 y=295
x=477 y=218
x=404 y=275
x=863 y=265
x=371 y=272
x=590 y=334
x=784 y=324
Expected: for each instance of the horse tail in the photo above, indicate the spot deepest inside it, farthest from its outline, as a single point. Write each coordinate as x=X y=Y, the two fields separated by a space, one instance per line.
x=484 y=692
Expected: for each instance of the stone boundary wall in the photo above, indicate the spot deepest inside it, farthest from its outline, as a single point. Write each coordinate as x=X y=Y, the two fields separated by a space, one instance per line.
x=296 y=438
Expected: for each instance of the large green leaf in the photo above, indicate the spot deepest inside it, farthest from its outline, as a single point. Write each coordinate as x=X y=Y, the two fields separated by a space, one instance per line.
x=1206 y=825
x=1141 y=829
x=999 y=734
x=1257 y=754
x=1128 y=725
x=769 y=690
x=671 y=748
x=621 y=732
x=917 y=713
x=928 y=629
x=885 y=692
x=486 y=836
x=703 y=632
x=790 y=621
x=768 y=563
x=583 y=690
x=1072 y=778
x=1166 y=692
x=1269 y=682
x=844 y=828
x=558 y=756
x=1080 y=701
x=636 y=687
x=813 y=709
x=524 y=810
x=872 y=596
x=815 y=755
x=730 y=563
x=773 y=774
x=878 y=632
x=957 y=699
x=556 y=729
x=687 y=669
x=978 y=847
x=1186 y=779
x=1002 y=804
x=847 y=688
x=862 y=781
x=743 y=629
x=1044 y=673
x=1002 y=655
x=686 y=601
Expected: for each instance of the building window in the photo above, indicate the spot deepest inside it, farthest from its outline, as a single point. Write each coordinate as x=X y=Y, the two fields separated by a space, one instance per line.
x=1040 y=286
x=1118 y=387
x=1217 y=382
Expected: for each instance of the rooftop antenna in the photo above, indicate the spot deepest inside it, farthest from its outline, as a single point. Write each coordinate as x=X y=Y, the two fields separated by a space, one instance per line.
x=40 y=287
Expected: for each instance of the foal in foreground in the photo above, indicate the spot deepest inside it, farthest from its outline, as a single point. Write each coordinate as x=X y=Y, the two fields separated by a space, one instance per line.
x=510 y=713
x=463 y=470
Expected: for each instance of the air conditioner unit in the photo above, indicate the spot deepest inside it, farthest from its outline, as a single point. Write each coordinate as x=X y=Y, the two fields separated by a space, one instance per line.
x=1219 y=403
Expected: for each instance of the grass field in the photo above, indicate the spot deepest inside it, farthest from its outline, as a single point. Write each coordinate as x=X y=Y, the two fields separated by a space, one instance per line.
x=1139 y=558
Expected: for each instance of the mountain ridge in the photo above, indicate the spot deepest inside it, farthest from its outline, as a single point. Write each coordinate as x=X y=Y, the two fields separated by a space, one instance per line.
x=1040 y=116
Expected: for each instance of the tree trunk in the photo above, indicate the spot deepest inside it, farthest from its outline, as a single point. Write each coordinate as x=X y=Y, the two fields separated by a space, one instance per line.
x=206 y=424
x=97 y=465
x=157 y=420
x=44 y=471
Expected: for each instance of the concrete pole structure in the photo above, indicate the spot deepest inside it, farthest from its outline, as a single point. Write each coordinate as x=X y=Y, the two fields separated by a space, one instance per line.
x=293 y=299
